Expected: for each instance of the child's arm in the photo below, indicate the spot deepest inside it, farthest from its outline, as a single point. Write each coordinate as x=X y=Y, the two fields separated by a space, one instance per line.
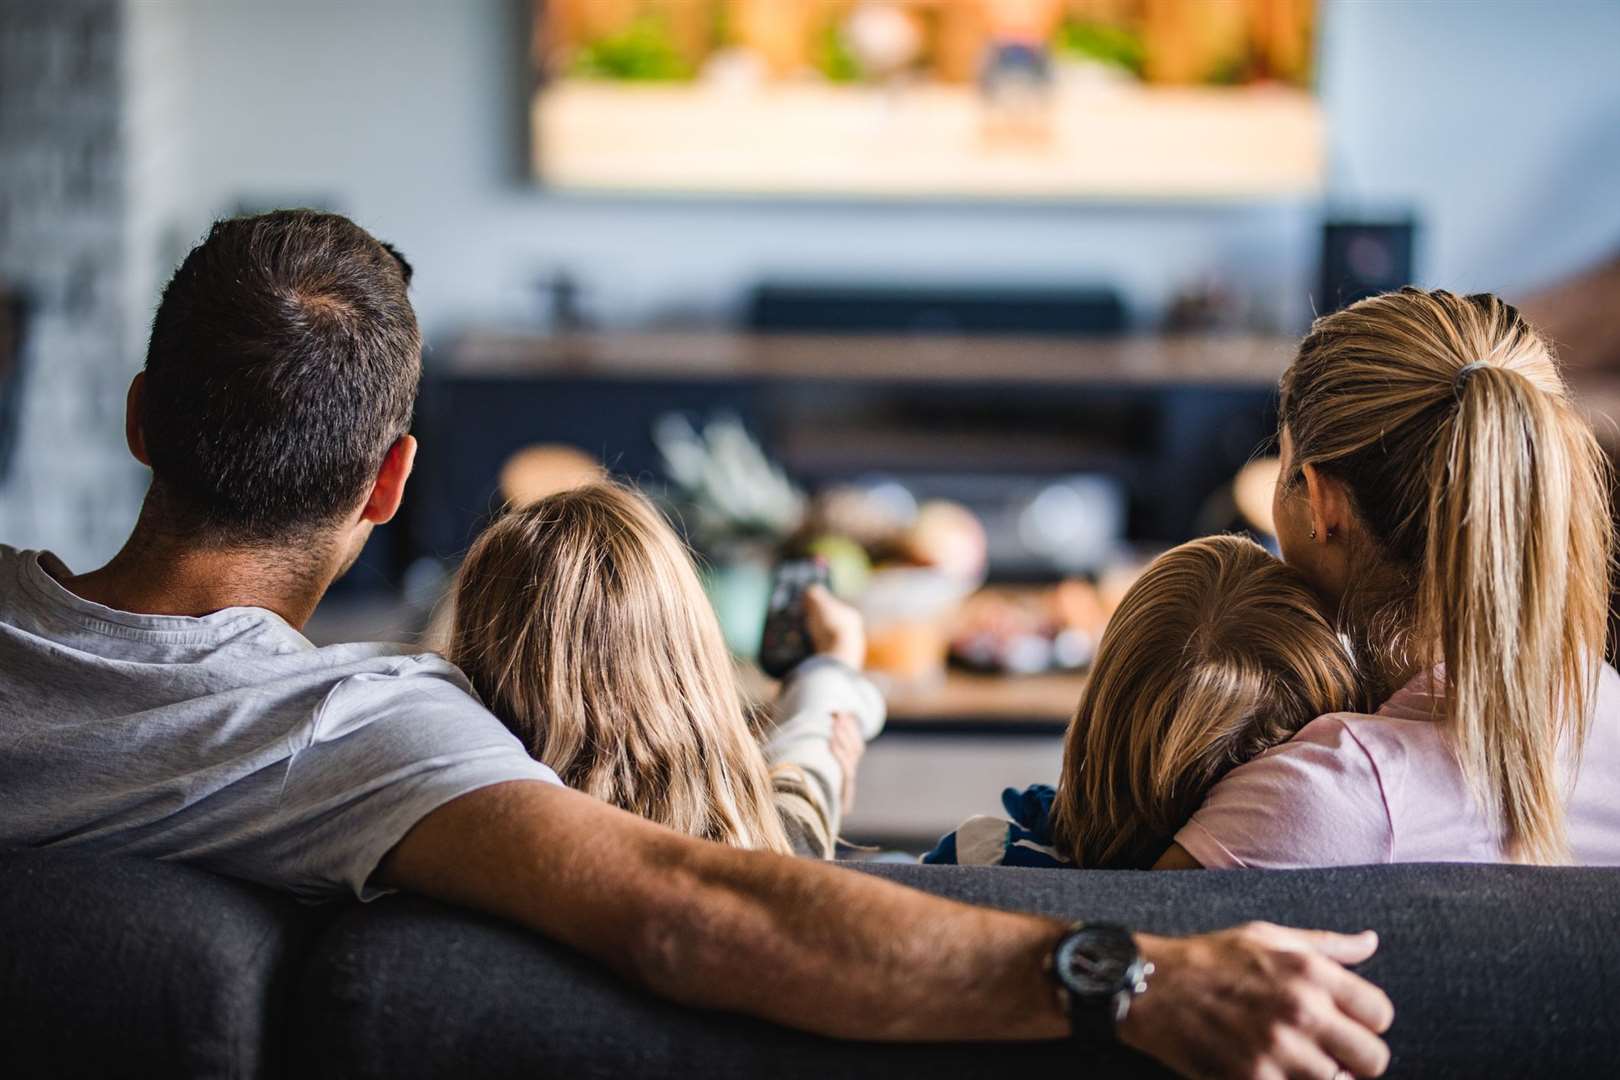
x=814 y=695
x=806 y=715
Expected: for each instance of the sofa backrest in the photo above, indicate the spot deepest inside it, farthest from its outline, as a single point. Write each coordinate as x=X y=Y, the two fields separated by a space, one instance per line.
x=122 y=967
x=1493 y=970
x=113 y=967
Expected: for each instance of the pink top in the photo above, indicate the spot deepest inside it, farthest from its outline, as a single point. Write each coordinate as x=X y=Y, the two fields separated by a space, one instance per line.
x=1352 y=789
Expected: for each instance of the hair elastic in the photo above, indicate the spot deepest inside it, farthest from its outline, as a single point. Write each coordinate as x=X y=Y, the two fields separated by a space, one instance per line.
x=1459 y=380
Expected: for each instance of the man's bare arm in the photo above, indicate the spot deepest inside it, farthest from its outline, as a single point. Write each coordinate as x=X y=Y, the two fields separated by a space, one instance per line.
x=796 y=941
x=824 y=949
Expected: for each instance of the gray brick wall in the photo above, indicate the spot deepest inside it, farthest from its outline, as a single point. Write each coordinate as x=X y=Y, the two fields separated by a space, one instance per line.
x=68 y=214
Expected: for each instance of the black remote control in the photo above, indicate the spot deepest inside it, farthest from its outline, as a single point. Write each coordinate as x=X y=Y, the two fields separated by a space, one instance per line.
x=786 y=642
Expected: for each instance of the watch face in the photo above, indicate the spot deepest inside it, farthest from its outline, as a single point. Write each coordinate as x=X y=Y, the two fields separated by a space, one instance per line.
x=1097 y=961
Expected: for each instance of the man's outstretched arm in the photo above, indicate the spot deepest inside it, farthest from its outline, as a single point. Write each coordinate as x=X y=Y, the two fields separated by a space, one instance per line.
x=843 y=954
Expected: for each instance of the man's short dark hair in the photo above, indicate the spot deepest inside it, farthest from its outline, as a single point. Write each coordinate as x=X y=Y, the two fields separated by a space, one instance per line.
x=284 y=362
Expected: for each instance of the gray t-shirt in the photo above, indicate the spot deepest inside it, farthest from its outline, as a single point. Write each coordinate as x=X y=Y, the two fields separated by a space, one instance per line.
x=228 y=741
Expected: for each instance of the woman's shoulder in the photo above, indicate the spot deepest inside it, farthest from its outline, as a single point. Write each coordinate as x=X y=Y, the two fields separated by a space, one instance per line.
x=1594 y=805
x=1607 y=705
x=1316 y=800
x=1352 y=743
x=1387 y=752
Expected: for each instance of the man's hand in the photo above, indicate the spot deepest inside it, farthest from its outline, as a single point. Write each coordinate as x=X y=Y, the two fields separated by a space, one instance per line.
x=848 y=747
x=836 y=629
x=1261 y=1001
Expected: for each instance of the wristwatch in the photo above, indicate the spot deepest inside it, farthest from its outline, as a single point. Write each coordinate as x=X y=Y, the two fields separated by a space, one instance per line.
x=1098 y=971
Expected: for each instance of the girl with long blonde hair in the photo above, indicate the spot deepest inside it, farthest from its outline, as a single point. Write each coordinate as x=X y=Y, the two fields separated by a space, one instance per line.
x=581 y=623
x=1215 y=654
x=1446 y=497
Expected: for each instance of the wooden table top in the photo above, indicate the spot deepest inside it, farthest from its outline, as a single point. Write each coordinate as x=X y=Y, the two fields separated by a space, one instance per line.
x=984 y=701
x=967 y=701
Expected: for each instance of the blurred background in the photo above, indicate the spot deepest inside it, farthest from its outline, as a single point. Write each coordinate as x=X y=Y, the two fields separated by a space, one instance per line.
x=980 y=301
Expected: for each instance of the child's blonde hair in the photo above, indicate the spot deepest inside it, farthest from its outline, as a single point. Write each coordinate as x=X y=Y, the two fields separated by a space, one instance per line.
x=581 y=622
x=1217 y=652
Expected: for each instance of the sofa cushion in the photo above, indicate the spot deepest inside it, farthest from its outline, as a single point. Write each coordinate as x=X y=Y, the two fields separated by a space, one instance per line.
x=1489 y=967
x=125 y=967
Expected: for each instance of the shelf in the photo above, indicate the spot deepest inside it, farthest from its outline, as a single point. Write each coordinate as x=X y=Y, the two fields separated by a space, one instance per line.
x=1143 y=360
x=1114 y=142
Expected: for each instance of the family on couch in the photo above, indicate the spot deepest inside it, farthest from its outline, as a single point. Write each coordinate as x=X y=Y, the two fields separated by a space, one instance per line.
x=1422 y=680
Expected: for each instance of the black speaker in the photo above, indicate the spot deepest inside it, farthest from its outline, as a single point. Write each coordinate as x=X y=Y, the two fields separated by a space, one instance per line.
x=13 y=312
x=1362 y=259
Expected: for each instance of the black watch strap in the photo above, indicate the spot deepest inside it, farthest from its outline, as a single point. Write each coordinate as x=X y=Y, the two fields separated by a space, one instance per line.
x=1091 y=1023
x=1095 y=1008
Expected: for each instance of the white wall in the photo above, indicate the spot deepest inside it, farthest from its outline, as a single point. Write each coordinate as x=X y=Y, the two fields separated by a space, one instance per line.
x=67 y=235
x=1498 y=119
x=1495 y=119
x=408 y=114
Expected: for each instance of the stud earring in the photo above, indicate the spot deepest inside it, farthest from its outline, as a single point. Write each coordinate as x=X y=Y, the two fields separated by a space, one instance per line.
x=1313 y=534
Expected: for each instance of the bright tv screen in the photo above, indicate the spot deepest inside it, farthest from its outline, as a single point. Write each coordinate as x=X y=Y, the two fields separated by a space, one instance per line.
x=944 y=98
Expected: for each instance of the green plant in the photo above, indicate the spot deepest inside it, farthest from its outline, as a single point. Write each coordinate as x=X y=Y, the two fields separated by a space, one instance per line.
x=1104 y=43
x=833 y=58
x=642 y=52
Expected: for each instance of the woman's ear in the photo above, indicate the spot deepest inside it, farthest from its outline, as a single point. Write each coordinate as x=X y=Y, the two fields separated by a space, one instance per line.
x=1329 y=505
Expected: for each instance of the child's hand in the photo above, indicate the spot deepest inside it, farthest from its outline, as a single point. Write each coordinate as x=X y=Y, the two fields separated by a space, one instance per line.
x=836 y=629
x=847 y=746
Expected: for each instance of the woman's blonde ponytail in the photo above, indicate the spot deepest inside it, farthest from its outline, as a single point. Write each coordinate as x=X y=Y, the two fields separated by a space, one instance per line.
x=1515 y=625
x=1485 y=497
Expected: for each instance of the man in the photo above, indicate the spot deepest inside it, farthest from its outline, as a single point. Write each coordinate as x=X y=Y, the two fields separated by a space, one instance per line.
x=165 y=705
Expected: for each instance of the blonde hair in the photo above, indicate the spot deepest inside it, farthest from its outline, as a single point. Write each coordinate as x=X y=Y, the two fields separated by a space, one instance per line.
x=1217 y=652
x=581 y=623
x=1484 y=497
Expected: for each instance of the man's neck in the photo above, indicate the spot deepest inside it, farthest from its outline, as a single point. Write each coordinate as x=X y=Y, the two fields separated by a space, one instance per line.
x=159 y=573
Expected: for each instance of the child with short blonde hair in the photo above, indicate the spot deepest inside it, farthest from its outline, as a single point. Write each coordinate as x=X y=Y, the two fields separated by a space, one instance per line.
x=1216 y=653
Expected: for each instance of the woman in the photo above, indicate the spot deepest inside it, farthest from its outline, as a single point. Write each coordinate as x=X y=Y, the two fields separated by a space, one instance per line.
x=1216 y=653
x=1448 y=500
x=580 y=621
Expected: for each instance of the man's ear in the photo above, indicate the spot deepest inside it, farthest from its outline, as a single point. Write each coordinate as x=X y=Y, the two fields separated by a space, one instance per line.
x=389 y=489
x=134 y=409
x=1329 y=504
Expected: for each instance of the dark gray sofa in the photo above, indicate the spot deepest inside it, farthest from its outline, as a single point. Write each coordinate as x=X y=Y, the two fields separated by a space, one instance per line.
x=116 y=967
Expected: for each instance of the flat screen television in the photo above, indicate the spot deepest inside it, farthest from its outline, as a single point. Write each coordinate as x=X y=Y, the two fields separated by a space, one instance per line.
x=1127 y=99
